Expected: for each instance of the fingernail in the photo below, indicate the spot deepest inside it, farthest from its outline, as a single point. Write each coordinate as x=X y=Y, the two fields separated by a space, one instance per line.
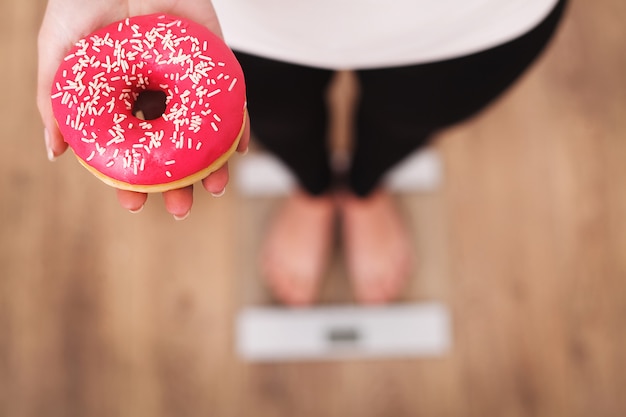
x=183 y=217
x=46 y=136
x=245 y=152
x=219 y=194
x=137 y=210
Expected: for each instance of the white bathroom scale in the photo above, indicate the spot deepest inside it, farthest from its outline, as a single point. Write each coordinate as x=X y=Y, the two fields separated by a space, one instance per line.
x=266 y=332
x=273 y=334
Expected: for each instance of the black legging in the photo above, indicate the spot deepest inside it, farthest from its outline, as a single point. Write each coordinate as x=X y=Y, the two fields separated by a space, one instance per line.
x=399 y=108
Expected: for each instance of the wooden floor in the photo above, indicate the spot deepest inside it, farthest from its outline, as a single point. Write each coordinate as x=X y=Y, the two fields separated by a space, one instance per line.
x=104 y=313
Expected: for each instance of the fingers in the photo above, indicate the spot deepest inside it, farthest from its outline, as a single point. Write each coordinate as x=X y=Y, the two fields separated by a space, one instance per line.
x=216 y=182
x=178 y=202
x=132 y=201
x=53 y=140
x=49 y=57
x=244 y=142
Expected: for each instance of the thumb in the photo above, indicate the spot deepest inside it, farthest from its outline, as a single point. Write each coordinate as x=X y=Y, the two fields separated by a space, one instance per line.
x=55 y=145
x=48 y=61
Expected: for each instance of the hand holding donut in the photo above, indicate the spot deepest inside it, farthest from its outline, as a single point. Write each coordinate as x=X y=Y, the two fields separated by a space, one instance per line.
x=122 y=158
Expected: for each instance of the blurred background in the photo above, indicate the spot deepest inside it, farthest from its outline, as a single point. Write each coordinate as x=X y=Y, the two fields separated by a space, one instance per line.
x=105 y=313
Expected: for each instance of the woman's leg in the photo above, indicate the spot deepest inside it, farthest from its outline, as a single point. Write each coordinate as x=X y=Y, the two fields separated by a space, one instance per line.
x=401 y=107
x=399 y=110
x=288 y=116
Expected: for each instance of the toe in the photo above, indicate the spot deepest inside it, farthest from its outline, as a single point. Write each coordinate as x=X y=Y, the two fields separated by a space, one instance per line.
x=369 y=288
x=301 y=290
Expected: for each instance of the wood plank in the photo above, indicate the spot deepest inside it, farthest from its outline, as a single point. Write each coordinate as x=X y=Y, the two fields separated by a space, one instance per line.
x=106 y=313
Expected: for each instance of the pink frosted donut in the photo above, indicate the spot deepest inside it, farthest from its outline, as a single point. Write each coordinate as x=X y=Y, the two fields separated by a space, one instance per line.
x=199 y=119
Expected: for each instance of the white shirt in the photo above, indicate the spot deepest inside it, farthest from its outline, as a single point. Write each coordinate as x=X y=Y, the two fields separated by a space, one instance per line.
x=349 y=34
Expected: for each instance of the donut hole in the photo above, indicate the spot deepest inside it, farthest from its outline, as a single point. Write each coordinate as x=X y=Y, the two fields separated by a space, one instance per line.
x=150 y=105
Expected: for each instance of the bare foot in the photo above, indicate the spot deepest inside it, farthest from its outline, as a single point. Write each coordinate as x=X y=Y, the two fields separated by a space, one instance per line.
x=295 y=253
x=377 y=246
